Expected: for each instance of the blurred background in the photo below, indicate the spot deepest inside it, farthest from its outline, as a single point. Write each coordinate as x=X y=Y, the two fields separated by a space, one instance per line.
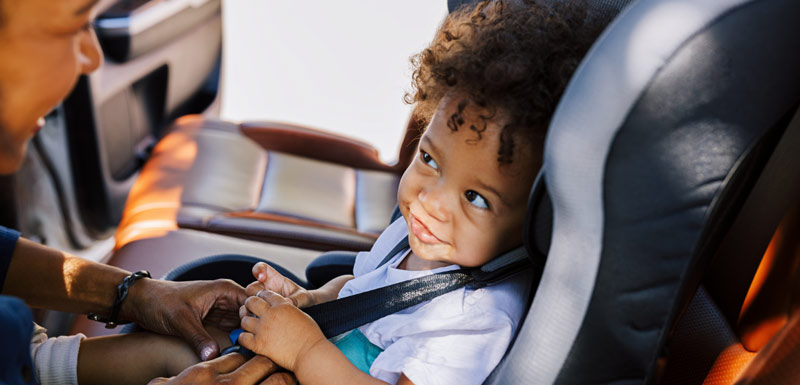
x=339 y=66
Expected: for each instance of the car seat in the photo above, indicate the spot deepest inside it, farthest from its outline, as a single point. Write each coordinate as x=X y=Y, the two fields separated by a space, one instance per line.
x=651 y=156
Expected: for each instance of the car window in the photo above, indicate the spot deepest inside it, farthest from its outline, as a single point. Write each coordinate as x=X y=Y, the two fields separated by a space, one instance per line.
x=341 y=66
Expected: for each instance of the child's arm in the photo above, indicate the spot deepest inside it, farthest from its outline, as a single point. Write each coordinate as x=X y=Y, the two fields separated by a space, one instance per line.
x=267 y=278
x=280 y=331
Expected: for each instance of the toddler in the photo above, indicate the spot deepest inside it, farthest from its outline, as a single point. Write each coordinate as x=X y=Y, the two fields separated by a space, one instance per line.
x=487 y=87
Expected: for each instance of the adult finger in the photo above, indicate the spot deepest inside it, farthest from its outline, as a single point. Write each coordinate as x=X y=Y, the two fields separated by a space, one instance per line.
x=254 y=370
x=227 y=363
x=158 y=381
x=203 y=344
x=282 y=378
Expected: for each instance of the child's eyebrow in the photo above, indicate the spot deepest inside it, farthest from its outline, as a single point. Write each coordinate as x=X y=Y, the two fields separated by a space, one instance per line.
x=429 y=142
x=494 y=191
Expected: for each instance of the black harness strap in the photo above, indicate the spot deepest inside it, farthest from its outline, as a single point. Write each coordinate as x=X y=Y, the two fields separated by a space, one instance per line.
x=401 y=246
x=344 y=314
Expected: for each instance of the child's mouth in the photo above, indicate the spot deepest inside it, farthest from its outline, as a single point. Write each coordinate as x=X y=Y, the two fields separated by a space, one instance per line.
x=422 y=232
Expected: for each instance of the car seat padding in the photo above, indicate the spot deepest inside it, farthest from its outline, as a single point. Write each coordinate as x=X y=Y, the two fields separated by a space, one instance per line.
x=657 y=115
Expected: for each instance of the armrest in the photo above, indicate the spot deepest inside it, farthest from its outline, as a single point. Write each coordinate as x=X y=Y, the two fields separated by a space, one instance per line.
x=315 y=144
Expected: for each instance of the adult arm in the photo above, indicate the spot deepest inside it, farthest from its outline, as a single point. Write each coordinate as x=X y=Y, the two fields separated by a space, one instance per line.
x=51 y=279
x=230 y=369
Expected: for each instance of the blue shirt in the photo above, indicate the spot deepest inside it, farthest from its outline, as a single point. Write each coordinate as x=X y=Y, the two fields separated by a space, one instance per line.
x=8 y=242
x=16 y=327
x=16 y=323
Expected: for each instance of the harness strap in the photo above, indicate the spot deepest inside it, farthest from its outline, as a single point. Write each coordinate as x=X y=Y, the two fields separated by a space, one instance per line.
x=401 y=246
x=344 y=314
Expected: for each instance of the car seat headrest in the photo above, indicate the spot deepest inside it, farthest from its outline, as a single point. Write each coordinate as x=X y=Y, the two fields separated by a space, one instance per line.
x=660 y=113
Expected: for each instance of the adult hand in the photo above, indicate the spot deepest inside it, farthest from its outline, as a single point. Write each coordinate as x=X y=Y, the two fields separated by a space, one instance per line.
x=230 y=369
x=267 y=278
x=273 y=327
x=181 y=308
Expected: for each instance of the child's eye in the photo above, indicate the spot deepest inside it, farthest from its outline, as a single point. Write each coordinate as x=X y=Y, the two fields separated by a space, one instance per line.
x=476 y=199
x=428 y=159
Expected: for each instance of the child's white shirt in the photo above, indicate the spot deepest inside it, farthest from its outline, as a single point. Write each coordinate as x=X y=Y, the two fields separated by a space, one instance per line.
x=456 y=338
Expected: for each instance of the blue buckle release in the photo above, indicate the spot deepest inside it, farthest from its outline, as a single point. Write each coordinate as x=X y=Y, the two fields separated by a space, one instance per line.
x=234 y=336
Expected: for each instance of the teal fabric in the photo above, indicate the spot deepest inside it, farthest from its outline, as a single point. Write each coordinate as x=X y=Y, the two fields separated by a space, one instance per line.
x=357 y=348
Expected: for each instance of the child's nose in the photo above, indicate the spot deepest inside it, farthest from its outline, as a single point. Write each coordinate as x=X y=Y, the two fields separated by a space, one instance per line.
x=434 y=202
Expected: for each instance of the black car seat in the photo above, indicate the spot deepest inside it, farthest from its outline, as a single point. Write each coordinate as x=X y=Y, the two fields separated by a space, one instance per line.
x=651 y=155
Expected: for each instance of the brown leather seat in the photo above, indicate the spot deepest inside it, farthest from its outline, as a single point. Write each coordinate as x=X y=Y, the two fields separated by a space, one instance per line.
x=264 y=181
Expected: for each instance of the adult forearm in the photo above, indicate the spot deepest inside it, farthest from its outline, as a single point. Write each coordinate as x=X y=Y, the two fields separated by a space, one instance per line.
x=51 y=279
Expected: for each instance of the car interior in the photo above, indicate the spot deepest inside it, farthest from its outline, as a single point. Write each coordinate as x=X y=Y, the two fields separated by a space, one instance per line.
x=665 y=221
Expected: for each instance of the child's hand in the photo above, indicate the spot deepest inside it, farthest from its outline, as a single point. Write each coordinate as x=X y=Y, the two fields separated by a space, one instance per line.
x=278 y=330
x=267 y=278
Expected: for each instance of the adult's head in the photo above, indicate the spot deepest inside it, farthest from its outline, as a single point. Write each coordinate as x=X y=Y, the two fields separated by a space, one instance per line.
x=45 y=45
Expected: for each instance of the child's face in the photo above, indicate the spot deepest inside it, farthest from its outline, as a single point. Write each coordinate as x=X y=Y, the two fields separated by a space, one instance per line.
x=460 y=205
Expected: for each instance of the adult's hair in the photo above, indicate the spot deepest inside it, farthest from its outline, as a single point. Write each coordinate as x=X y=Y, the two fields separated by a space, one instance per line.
x=513 y=58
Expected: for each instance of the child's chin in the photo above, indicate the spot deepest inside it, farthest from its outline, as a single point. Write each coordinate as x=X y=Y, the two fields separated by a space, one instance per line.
x=430 y=252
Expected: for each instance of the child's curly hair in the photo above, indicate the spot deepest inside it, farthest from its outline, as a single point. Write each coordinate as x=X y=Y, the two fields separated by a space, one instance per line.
x=509 y=57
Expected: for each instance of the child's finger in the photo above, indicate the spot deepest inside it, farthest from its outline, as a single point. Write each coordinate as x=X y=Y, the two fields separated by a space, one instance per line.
x=253 y=288
x=272 y=297
x=260 y=271
x=248 y=324
x=247 y=340
x=301 y=298
x=256 y=305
